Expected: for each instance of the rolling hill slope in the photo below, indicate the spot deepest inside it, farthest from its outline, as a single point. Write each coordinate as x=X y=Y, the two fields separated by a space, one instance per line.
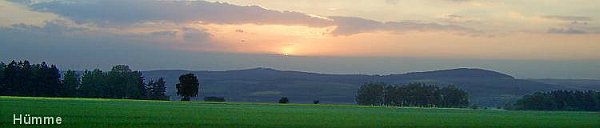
x=487 y=88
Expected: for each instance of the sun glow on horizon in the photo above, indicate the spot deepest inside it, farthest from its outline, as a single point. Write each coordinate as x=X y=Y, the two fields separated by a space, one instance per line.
x=287 y=51
x=298 y=40
x=263 y=39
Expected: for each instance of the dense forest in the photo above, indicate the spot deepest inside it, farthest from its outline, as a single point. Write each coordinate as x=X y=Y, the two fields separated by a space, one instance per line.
x=413 y=94
x=24 y=79
x=560 y=100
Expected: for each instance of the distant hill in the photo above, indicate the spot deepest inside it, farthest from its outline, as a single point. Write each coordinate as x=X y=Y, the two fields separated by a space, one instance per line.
x=487 y=88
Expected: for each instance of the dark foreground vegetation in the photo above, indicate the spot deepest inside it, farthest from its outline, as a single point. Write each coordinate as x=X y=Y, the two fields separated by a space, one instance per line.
x=187 y=86
x=560 y=100
x=412 y=95
x=214 y=99
x=25 y=79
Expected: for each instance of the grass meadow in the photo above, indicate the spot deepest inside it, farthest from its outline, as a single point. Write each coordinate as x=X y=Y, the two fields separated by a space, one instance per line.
x=87 y=112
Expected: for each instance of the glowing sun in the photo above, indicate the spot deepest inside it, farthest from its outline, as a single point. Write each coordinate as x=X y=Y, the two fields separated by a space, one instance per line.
x=287 y=51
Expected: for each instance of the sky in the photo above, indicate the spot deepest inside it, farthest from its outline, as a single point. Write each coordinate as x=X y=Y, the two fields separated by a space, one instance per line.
x=526 y=39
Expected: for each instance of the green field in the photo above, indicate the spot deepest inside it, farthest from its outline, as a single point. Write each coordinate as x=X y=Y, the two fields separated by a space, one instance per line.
x=81 y=112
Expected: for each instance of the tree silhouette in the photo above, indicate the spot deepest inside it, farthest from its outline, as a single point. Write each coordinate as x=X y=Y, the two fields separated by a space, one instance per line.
x=2 y=78
x=70 y=83
x=157 y=89
x=120 y=82
x=93 y=84
x=451 y=96
x=371 y=94
x=214 y=99
x=412 y=94
x=560 y=100
x=187 y=86
x=284 y=100
x=125 y=83
x=11 y=81
x=25 y=79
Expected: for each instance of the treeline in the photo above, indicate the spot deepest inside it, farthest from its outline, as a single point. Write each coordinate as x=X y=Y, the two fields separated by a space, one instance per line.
x=23 y=79
x=560 y=100
x=412 y=94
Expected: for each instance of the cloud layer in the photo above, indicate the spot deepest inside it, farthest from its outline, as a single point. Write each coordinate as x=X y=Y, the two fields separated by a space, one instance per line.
x=107 y=13
x=191 y=34
x=136 y=11
x=354 y=25
x=569 y=18
x=571 y=25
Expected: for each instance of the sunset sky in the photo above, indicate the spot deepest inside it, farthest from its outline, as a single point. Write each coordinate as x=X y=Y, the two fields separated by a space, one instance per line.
x=527 y=39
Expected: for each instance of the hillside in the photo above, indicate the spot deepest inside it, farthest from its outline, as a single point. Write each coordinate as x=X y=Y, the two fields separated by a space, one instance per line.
x=488 y=88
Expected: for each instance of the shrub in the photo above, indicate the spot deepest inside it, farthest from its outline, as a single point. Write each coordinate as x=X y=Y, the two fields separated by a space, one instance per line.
x=214 y=99
x=474 y=106
x=284 y=100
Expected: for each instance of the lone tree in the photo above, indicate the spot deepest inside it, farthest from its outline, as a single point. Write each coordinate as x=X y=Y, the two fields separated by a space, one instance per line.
x=284 y=100
x=187 y=86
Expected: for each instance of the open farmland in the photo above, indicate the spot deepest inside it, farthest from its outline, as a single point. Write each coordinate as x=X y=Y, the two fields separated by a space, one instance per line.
x=84 y=112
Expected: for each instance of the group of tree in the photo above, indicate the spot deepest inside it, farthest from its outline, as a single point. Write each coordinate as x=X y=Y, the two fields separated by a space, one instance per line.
x=24 y=79
x=119 y=82
x=562 y=100
x=157 y=89
x=412 y=94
